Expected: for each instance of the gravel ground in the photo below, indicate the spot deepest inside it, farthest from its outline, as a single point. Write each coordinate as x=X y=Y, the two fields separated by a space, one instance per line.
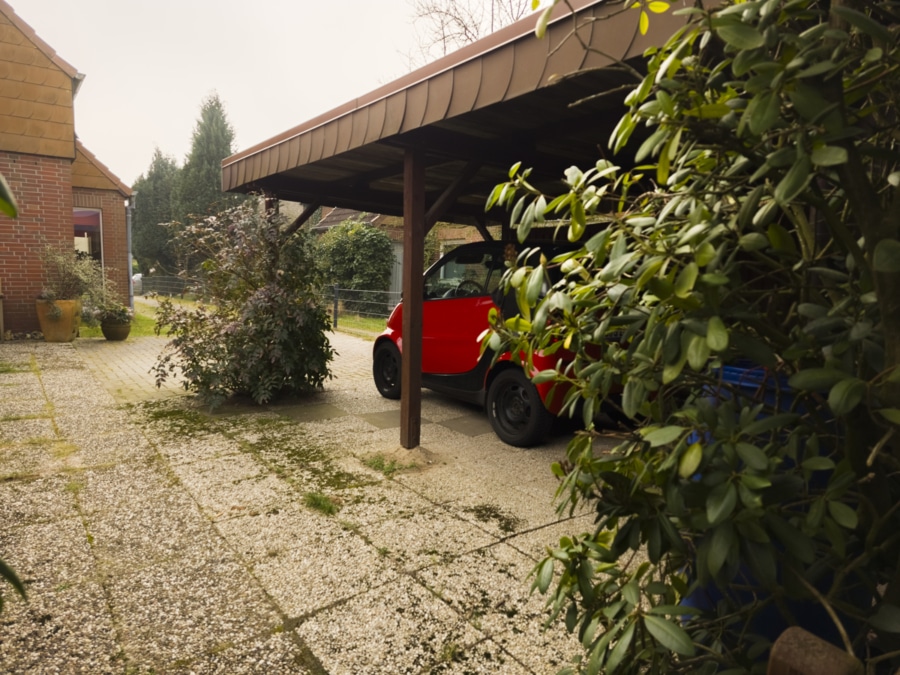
x=154 y=537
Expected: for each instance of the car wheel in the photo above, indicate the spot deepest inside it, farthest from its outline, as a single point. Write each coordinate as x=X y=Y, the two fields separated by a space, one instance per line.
x=515 y=410
x=386 y=369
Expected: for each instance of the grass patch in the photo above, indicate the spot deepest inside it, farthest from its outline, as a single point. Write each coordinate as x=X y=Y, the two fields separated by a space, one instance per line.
x=74 y=486
x=144 y=322
x=386 y=466
x=141 y=326
x=320 y=502
x=12 y=368
x=365 y=324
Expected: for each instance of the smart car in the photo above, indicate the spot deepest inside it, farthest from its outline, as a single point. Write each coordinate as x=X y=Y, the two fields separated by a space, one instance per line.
x=460 y=289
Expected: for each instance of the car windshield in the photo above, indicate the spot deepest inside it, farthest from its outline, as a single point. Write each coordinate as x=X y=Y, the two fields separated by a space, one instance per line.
x=465 y=272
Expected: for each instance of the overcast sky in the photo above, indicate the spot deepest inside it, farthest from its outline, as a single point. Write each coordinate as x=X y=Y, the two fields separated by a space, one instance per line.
x=274 y=64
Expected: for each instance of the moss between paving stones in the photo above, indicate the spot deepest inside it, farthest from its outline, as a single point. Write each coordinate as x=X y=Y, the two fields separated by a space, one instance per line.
x=277 y=442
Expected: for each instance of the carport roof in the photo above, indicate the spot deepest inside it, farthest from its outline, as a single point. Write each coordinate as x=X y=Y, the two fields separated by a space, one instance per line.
x=507 y=98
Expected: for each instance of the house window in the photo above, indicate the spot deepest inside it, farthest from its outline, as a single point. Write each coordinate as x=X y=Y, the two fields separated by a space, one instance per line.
x=89 y=233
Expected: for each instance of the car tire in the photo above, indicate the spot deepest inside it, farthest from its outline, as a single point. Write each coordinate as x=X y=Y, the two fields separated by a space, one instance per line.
x=515 y=410
x=386 y=369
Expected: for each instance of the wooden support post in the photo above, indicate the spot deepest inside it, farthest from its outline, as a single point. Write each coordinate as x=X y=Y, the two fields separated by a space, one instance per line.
x=413 y=268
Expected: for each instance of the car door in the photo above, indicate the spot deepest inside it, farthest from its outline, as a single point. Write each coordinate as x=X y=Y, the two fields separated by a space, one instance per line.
x=455 y=308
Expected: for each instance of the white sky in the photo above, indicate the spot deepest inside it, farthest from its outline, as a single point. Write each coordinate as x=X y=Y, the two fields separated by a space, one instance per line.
x=273 y=63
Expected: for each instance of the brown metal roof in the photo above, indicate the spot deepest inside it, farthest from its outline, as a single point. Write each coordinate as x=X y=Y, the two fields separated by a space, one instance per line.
x=504 y=99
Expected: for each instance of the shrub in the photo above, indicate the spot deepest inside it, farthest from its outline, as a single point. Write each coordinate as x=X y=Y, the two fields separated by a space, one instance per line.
x=357 y=256
x=760 y=234
x=260 y=331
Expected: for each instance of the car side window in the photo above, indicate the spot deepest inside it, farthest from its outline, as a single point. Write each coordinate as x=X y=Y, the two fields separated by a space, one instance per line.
x=462 y=273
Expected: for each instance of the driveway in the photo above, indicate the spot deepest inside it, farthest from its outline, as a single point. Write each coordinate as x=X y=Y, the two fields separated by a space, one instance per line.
x=298 y=538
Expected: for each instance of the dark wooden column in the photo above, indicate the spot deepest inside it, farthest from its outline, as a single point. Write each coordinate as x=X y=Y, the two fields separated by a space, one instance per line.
x=413 y=267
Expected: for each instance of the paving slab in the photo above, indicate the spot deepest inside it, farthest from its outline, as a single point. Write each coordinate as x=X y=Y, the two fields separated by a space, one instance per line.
x=297 y=537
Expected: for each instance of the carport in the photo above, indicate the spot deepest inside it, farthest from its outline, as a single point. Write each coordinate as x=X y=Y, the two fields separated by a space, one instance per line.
x=431 y=145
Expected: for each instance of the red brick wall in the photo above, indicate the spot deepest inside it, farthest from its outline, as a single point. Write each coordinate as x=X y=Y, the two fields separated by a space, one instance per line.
x=43 y=189
x=115 y=245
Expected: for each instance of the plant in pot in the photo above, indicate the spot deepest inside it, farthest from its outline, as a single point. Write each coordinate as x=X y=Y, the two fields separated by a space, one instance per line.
x=115 y=320
x=104 y=307
x=68 y=277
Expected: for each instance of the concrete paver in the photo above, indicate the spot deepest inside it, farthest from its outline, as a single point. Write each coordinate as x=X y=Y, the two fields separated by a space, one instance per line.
x=155 y=537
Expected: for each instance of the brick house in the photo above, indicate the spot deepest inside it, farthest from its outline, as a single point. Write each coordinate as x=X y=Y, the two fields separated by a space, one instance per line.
x=64 y=193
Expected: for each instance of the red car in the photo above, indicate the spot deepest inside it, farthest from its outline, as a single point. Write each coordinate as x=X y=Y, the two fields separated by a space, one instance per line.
x=460 y=289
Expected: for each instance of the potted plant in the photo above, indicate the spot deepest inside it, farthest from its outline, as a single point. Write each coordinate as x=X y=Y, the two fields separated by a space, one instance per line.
x=68 y=276
x=103 y=306
x=115 y=320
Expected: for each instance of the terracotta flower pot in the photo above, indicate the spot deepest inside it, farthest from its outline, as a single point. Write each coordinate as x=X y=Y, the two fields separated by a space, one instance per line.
x=59 y=319
x=115 y=331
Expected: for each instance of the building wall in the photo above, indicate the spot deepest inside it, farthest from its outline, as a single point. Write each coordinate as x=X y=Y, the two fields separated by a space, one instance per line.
x=43 y=190
x=114 y=243
x=36 y=115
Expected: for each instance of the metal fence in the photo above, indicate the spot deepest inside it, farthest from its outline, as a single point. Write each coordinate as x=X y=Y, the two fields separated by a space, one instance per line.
x=349 y=305
x=170 y=286
x=350 y=308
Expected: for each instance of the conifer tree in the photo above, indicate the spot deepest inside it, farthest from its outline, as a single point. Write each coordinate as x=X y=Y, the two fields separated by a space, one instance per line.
x=200 y=191
x=156 y=193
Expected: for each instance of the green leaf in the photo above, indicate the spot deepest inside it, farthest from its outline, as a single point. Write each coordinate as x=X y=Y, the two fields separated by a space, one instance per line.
x=818 y=463
x=864 y=23
x=754 y=241
x=669 y=635
x=8 y=575
x=720 y=544
x=739 y=35
x=887 y=618
x=752 y=456
x=761 y=561
x=829 y=155
x=631 y=593
x=843 y=515
x=846 y=395
x=886 y=258
x=767 y=423
x=621 y=649
x=808 y=101
x=544 y=376
x=540 y=28
x=534 y=285
x=716 y=334
x=755 y=482
x=545 y=575
x=690 y=460
x=720 y=503
x=657 y=436
x=762 y=112
x=816 y=379
x=892 y=415
x=794 y=181
x=697 y=352
x=686 y=279
x=795 y=542
x=7 y=199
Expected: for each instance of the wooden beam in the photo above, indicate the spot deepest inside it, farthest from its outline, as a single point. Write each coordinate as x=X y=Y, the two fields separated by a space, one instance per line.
x=481 y=226
x=450 y=195
x=302 y=218
x=413 y=267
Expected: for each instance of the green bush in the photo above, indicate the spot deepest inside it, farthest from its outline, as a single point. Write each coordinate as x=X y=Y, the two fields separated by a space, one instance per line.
x=760 y=231
x=357 y=256
x=261 y=331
